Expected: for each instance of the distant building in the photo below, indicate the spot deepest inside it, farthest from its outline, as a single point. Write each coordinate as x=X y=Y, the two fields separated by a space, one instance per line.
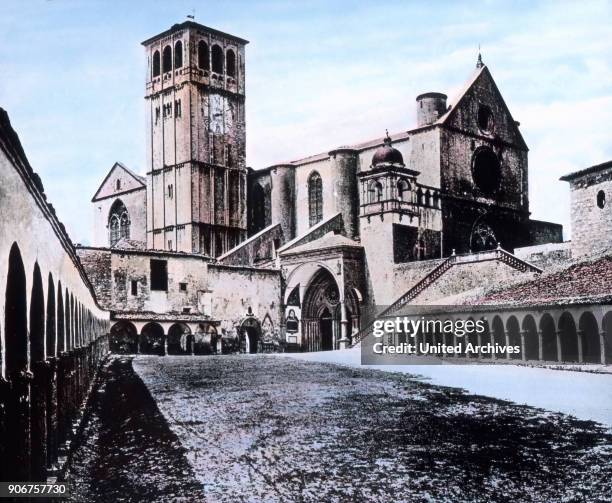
x=311 y=245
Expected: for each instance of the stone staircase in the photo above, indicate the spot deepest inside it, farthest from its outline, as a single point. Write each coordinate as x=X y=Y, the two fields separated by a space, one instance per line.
x=498 y=254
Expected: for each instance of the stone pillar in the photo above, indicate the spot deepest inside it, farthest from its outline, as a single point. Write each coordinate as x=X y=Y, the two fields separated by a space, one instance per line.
x=51 y=398
x=38 y=422
x=602 y=346
x=16 y=464
x=558 y=338
x=507 y=338
x=165 y=346
x=344 y=341
x=138 y=341
x=540 y=346
x=579 y=336
x=523 y=355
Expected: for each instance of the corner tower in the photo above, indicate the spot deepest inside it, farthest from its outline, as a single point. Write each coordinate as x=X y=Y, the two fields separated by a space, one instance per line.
x=196 y=175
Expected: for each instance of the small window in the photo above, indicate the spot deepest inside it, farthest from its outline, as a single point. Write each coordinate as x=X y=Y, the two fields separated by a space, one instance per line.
x=485 y=118
x=186 y=310
x=169 y=244
x=118 y=184
x=159 y=275
x=134 y=287
x=601 y=199
x=177 y=108
x=183 y=287
x=170 y=191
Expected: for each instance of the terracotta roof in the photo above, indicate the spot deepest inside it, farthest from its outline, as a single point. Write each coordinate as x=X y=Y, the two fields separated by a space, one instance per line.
x=585 y=282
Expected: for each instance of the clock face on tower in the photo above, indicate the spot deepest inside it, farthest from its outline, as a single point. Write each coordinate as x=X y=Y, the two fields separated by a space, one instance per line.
x=221 y=114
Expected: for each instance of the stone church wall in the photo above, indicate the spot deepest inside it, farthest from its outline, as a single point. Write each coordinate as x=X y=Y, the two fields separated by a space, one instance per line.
x=136 y=204
x=591 y=222
x=235 y=289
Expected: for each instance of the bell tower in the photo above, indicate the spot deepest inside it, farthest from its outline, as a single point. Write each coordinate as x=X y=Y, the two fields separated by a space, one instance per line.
x=196 y=170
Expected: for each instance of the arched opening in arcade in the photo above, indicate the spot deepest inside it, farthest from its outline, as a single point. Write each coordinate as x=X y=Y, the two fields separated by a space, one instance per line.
x=568 y=338
x=38 y=431
x=205 y=340
x=179 y=339
x=589 y=338
x=152 y=339
x=607 y=336
x=514 y=336
x=123 y=338
x=532 y=345
x=549 y=338
x=250 y=335
x=14 y=462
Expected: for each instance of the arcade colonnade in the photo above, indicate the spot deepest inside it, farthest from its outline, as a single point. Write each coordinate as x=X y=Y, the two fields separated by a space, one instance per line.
x=164 y=337
x=52 y=330
x=567 y=334
x=53 y=336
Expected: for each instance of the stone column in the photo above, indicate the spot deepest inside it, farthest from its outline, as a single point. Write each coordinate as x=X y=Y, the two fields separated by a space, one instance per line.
x=558 y=338
x=540 y=346
x=52 y=411
x=344 y=341
x=507 y=338
x=579 y=336
x=17 y=440
x=165 y=346
x=38 y=421
x=602 y=346
x=523 y=355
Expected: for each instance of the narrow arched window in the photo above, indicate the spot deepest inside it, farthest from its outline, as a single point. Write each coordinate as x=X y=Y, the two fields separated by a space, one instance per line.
x=114 y=230
x=203 y=56
x=375 y=191
x=230 y=63
x=124 y=226
x=156 y=63
x=178 y=54
x=217 y=59
x=315 y=198
x=167 y=59
x=403 y=190
x=118 y=223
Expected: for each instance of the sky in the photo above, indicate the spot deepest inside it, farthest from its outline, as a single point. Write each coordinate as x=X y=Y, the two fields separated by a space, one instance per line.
x=320 y=74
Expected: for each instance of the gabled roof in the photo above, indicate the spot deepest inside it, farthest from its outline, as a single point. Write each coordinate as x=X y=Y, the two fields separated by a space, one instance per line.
x=482 y=72
x=582 y=282
x=442 y=120
x=140 y=180
x=326 y=242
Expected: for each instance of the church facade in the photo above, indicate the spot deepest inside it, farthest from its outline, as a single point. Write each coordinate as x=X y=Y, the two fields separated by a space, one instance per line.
x=296 y=253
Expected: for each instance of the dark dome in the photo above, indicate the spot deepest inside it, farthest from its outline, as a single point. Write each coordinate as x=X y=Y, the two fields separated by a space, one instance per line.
x=387 y=154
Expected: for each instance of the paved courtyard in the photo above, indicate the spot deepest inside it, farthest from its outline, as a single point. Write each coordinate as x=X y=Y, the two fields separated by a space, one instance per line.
x=254 y=428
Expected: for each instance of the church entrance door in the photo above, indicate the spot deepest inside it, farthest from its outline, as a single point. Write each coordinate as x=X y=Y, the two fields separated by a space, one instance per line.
x=327 y=331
